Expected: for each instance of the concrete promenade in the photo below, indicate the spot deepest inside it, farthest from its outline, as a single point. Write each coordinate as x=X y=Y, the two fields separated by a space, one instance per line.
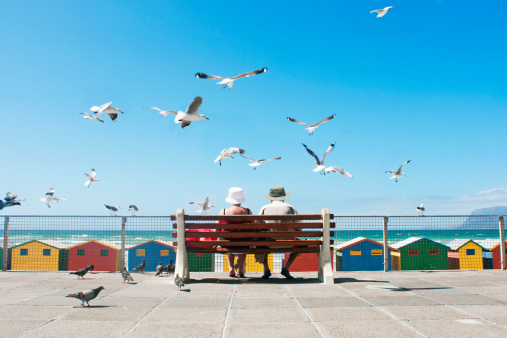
x=365 y=304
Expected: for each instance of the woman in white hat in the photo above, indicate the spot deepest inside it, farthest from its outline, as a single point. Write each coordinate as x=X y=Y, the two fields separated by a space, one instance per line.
x=235 y=198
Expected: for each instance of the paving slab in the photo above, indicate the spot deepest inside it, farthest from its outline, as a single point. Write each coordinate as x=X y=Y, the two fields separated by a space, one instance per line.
x=16 y=328
x=279 y=329
x=332 y=302
x=494 y=313
x=346 y=314
x=458 y=328
x=401 y=301
x=35 y=313
x=177 y=303
x=176 y=329
x=256 y=303
x=108 y=313
x=193 y=315
x=466 y=299
x=266 y=315
x=82 y=328
x=376 y=328
x=427 y=312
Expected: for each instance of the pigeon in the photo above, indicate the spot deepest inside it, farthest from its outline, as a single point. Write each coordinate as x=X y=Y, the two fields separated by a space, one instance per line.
x=320 y=164
x=133 y=208
x=314 y=126
x=92 y=178
x=50 y=197
x=397 y=173
x=227 y=153
x=178 y=281
x=382 y=12
x=87 y=295
x=108 y=109
x=338 y=170
x=10 y=200
x=126 y=275
x=112 y=209
x=92 y=117
x=80 y=272
x=185 y=118
x=204 y=206
x=140 y=267
x=421 y=210
x=258 y=163
x=164 y=113
x=90 y=267
x=159 y=269
x=229 y=81
x=169 y=267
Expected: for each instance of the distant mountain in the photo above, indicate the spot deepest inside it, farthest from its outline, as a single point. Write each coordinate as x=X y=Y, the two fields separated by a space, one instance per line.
x=489 y=221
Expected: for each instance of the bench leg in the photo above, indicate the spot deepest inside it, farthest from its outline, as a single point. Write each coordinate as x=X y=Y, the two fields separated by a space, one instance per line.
x=181 y=267
x=325 y=267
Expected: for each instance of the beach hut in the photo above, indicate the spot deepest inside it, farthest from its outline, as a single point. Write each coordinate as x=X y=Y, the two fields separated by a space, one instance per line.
x=496 y=255
x=251 y=264
x=40 y=255
x=470 y=254
x=154 y=252
x=306 y=262
x=103 y=255
x=361 y=254
x=201 y=262
x=419 y=253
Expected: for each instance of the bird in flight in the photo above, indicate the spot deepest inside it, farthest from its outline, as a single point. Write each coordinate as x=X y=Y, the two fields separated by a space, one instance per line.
x=312 y=127
x=338 y=170
x=108 y=109
x=320 y=163
x=164 y=113
x=397 y=173
x=227 y=153
x=258 y=163
x=190 y=115
x=10 y=200
x=92 y=117
x=229 y=81
x=50 y=197
x=205 y=206
x=92 y=178
x=382 y=12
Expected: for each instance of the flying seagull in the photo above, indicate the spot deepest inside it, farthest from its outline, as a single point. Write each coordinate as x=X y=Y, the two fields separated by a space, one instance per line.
x=338 y=170
x=185 y=118
x=92 y=117
x=204 y=206
x=397 y=173
x=92 y=178
x=108 y=109
x=133 y=208
x=10 y=200
x=320 y=164
x=227 y=153
x=421 y=210
x=382 y=12
x=87 y=295
x=140 y=267
x=80 y=272
x=258 y=163
x=312 y=127
x=126 y=275
x=50 y=197
x=164 y=113
x=178 y=281
x=229 y=81
x=112 y=209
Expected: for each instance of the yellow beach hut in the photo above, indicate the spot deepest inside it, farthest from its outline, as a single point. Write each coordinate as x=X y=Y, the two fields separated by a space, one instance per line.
x=37 y=255
x=469 y=253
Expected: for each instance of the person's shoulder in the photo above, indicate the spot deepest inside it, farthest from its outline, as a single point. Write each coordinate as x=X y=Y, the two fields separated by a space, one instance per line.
x=261 y=211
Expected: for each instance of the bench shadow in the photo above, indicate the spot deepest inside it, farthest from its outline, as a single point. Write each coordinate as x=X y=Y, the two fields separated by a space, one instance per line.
x=256 y=280
x=341 y=280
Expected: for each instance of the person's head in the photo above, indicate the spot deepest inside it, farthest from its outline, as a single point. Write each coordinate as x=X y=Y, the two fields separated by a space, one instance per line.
x=277 y=193
x=235 y=196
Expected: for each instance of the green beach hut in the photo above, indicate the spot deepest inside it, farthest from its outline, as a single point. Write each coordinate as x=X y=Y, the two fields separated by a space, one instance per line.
x=419 y=253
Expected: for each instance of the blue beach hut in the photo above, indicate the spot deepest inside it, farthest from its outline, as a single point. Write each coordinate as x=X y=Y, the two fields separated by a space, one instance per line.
x=153 y=251
x=361 y=254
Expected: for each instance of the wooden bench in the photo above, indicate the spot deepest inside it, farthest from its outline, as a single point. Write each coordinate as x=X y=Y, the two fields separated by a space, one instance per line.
x=262 y=236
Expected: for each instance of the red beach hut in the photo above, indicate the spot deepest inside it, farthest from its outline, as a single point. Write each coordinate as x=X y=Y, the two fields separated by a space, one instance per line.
x=496 y=255
x=104 y=257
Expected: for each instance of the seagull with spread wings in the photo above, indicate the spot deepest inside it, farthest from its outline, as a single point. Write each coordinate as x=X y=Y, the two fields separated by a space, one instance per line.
x=258 y=163
x=205 y=206
x=92 y=178
x=227 y=153
x=108 y=109
x=312 y=127
x=92 y=117
x=190 y=115
x=50 y=197
x=320 y=163
x=229 y=81
x=339 y=171
x=382 y=12
x=164 y=113
x=397 y=173
x=10 y=200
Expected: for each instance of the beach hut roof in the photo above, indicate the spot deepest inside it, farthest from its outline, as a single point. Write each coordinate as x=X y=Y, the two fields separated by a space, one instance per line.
x=165 y=243
x=355 y=241
x=413 y=240
x=458 y=243
x=49 y=242
x=110 y=244
x=497 y=244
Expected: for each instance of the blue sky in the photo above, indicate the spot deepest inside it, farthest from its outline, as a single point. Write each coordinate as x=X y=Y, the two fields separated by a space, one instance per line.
x=422 y=85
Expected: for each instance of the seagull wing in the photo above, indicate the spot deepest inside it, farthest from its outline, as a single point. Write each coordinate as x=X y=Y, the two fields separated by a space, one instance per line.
x=255 y=72
x=185 y=124
x=248 y=158
x=100 y=110
x=113 y=116
x=205 y=204
x=198 y=203
x=271 y=159
x=399 y=169
x=99 y=119
x=339 y=171
x=153 y=108
x=10 y=197
x=311 y=153
x=93 y=174
x=294 y=120
x=194 y=106
x=330 y=149
x=324 y=120
x=222 y=153
x=205 y=76
x=51 y=192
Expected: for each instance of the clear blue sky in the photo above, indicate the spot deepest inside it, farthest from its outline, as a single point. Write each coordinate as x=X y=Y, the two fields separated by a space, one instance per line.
x=426 y=83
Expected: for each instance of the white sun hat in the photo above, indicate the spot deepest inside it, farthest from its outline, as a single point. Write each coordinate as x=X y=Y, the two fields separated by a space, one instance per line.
x=235 y=196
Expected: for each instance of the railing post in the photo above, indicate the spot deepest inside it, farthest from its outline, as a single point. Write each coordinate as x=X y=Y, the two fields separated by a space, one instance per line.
x=181 y=268
x=123 y=230
x=5 y=253
x=502 y=244
x=386 y=247
x=325 y=268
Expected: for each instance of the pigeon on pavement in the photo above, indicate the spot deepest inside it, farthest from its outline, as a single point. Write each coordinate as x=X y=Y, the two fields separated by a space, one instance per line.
x=178 y=281
x=140 y=267
x=159 y=269
x=126 y=275
x=81 y=272
x=87 y=295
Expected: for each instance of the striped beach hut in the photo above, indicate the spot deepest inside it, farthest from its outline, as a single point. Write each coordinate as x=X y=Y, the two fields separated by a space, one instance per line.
x=469 y=253
x=42 y=255
x=103 y=255
x=153 y=251
x=361 y=254
x=419 y=253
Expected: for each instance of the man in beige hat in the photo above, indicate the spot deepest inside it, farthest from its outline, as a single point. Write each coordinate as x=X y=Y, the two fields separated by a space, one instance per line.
x=277 y=196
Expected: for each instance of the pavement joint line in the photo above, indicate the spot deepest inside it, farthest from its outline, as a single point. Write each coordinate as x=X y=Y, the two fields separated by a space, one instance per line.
x=385 y=311
x=28 y=334
x=466 y=312
x=228 y=309
x=306 y=312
